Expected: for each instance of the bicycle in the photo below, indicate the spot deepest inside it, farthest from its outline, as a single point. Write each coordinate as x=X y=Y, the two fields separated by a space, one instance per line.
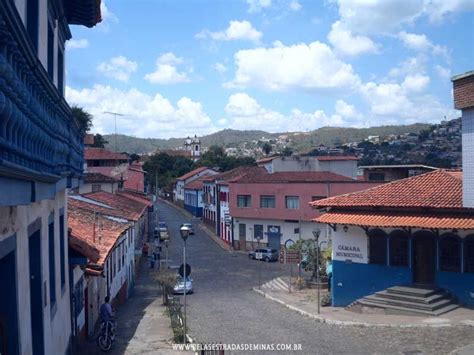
x=107 y=335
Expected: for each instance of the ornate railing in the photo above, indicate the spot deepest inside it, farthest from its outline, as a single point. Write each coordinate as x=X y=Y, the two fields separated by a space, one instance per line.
x=38 y=134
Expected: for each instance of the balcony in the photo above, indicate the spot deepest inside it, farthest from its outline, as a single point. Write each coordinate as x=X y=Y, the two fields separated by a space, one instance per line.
x=39 y=138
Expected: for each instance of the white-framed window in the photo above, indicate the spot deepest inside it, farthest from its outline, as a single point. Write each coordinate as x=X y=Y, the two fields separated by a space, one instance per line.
x=292 y=202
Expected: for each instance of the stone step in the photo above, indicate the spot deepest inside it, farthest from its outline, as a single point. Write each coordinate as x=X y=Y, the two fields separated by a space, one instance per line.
x=417 y=291
x=415 y=299
x=409 y=305
x=405 y=310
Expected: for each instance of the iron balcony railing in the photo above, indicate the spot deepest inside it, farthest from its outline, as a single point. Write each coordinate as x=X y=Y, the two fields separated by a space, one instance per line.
x=38 y=134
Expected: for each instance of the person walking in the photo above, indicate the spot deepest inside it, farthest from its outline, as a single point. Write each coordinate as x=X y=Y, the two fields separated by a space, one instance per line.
x=329 y=271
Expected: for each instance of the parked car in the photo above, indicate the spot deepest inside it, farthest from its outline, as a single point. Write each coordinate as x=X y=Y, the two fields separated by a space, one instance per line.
x=190 y=226
x=162 y=227
x=265 y=254
x=181 y=287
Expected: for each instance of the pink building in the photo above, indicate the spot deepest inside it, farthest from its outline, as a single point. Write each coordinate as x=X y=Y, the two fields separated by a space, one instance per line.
x=276 y=206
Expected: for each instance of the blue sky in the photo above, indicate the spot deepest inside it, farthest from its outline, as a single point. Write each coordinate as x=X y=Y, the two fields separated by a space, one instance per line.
x=177 y=68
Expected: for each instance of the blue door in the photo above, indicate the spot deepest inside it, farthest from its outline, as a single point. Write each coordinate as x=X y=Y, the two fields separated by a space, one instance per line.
x=36 y=299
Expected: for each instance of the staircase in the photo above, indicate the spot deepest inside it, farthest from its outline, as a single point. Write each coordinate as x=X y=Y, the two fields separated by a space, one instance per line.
x=411 y=300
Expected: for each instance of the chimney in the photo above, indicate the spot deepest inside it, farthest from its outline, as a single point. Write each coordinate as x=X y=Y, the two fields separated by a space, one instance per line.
x=463 y=92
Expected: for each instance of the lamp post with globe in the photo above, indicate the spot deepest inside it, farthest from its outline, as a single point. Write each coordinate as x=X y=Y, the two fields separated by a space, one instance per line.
x=184 y=231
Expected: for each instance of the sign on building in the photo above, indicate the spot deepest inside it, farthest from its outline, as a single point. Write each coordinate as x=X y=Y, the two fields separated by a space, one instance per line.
x=350 y=247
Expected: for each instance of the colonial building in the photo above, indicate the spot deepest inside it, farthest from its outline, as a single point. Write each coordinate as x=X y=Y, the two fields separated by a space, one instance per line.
x=338 y=164
x=93 y=182
x=193 y=197
x=275 y=207
x=417 y=231
x=115 y=165
x=216 y=199
x=40 y=158
x=178 y=192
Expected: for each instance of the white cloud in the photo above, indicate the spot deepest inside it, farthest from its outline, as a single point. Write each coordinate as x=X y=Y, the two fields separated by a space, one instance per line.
x=244 y=112
x=166 y=71
x=421 y=43
x=77 y=44
x=444 y=73
x=108 y=17
x=258 y=5
x=410 y=66
x=302 y=66
x=415 y=83
x=404 y=103
x=119 y=68
x=386 y=16
x=237 y=30
x=220 y=68
x=345 y=110
x=145 y=115
x=438 y=10
x=295 y=5
x=349 y=44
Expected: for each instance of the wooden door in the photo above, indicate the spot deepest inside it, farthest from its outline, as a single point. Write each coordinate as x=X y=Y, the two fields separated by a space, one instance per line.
x=424 y=261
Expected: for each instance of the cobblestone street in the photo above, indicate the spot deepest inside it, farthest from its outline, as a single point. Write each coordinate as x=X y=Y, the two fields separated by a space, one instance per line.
x=224 y=309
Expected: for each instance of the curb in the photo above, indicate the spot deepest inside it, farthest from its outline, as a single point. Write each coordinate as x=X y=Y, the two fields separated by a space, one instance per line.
x=321 y=319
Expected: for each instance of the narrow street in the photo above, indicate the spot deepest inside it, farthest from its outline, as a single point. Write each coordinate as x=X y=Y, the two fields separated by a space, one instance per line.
x=224 y=309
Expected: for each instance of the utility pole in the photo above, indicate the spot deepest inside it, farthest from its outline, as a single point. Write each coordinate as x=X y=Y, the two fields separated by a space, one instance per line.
x=115 y=114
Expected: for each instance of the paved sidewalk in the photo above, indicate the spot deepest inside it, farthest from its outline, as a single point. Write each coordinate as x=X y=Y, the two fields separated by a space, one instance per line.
x=143 y=326
x=305 y=303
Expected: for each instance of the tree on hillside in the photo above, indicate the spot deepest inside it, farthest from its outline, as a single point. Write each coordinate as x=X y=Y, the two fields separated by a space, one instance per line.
x=267 y=148
x=165 y=168
x=134 y=157
x=216 y=157
x=99 y=141
x=83 y=118
x=287 y=151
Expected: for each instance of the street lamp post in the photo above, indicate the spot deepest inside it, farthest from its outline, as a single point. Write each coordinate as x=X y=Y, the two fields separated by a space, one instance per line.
x=184 y=230
x=259 y=264
x=167 y=243
x=316 y=234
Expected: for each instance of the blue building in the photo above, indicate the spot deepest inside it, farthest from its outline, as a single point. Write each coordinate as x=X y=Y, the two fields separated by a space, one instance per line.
x=413 y=237
x=193 y=197
x=41 y=156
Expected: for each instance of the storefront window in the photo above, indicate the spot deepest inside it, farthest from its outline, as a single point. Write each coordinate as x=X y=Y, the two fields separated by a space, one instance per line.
x=450 y=254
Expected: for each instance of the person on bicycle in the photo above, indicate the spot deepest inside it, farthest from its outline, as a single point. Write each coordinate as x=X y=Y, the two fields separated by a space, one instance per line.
x=106 y=311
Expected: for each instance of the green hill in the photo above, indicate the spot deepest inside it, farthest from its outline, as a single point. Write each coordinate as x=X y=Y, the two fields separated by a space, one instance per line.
x=299 y=141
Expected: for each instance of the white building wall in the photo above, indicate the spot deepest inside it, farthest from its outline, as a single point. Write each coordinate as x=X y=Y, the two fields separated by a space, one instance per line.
x=342 y=167
x=57 y=326
x=287 y=230
x=468 y=156
x=104 y=186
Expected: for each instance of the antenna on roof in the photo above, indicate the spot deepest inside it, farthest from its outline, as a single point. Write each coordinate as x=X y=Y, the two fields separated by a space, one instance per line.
x=115 y=117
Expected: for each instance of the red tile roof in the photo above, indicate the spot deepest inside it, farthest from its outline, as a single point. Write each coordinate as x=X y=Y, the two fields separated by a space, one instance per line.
x=267 y=159
x=93 y=235
x=192 y=173
x=134 y=207
x=142 y=198
x=336 y=157
x=392 y=219
x=91 y=177
x=102 y=154
x=437 y=189
x=293 y=177
x=195 y=184
x=113 y=211
x=238 y=172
